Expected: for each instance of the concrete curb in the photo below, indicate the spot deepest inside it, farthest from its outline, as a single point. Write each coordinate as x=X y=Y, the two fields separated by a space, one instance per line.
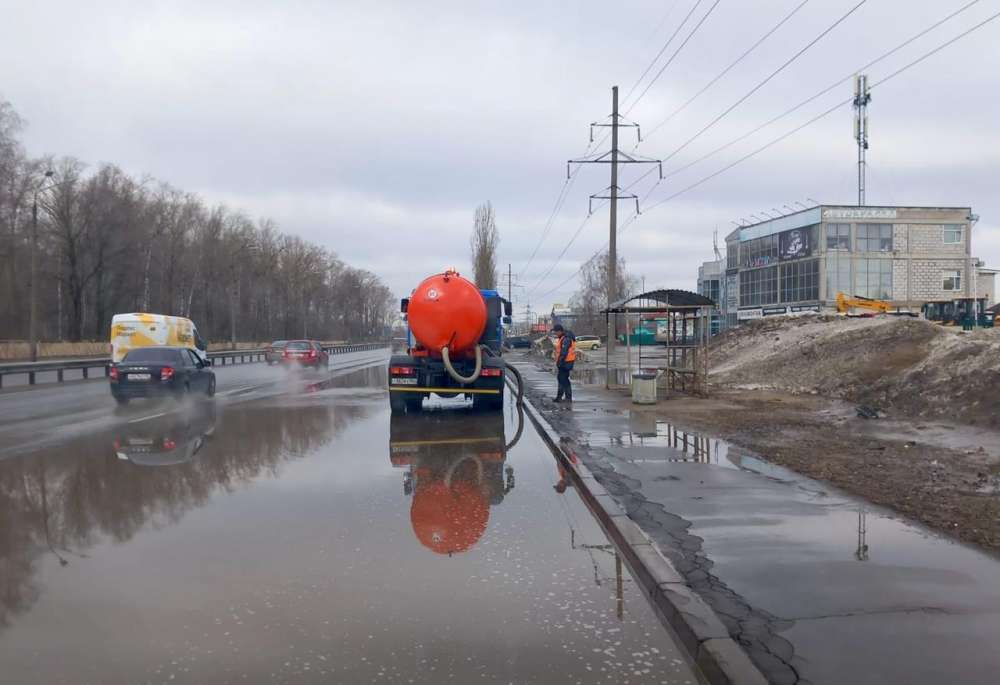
x=698 y=630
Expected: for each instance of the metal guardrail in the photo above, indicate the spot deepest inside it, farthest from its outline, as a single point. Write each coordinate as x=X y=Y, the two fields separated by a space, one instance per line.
x=31 y=369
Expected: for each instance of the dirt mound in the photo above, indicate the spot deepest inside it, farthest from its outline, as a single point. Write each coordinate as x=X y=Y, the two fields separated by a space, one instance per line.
x=904 y=366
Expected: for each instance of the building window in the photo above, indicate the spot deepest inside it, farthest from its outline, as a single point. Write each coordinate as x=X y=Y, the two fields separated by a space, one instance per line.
x=759 y=287
x=874 y=278
x=874 y=238
x=838 y=275
x=711 y=289
x=838 y=237
x=800 y=281
x=952 y=235
x=732 y=256
x=759 y=251
x=952 y=280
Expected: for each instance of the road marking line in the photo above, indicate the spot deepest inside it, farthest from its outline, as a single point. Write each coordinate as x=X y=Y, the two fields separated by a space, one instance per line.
x=246 y=387
x=147 y=418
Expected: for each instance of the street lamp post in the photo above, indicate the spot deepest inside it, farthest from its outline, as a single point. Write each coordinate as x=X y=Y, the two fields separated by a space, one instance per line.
x=33 y=268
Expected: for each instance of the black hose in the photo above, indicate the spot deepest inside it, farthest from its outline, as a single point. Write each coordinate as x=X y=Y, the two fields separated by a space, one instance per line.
x=520 y=382
x=512 y=369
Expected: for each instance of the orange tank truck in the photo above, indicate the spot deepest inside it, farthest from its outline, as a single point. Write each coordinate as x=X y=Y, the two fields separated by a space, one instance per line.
x=454 y=345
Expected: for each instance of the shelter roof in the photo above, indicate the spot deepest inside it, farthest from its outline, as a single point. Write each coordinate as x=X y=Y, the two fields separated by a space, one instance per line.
x=668 y=300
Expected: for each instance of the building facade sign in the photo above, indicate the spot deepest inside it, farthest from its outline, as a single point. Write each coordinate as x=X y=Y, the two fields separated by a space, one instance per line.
x=748 y=314
x=858 y=213
x=774 y=311
x=795 y=244
x=804 y=308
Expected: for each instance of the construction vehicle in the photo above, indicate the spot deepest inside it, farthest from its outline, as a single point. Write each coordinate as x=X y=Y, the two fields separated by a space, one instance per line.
x=455 y=471
x=845 y=304
x=454 y=345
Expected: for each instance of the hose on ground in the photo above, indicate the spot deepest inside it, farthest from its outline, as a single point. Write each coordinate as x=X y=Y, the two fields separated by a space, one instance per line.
x=459 y=378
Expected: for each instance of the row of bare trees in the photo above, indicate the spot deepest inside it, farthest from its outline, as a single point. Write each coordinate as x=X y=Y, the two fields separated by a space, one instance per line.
x=106 y=242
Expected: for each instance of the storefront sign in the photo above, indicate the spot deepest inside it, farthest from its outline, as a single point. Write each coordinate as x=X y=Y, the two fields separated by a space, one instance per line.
x=796 y=243
x=748 y=314
x=805 y=308
x=860 y=213
x=774 y=311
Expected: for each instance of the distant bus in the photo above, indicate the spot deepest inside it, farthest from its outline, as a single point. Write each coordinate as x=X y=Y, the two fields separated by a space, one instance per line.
x=130 y=331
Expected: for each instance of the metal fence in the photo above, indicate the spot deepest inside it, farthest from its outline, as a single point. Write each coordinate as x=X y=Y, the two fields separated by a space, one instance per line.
x=222 y=358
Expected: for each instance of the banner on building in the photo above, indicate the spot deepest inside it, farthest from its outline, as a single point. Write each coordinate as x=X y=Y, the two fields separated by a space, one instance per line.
x=774 y=311
x=748 y=314
x=796 y=243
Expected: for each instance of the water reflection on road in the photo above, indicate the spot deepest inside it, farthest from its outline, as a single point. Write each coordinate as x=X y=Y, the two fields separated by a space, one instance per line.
x=309 y=537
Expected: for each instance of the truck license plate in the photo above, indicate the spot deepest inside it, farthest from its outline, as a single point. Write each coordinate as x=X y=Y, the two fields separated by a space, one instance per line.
x=139 y=376
x=404 y=381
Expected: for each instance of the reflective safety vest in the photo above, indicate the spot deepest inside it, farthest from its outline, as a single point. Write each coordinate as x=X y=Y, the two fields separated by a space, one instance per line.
x=570 y=353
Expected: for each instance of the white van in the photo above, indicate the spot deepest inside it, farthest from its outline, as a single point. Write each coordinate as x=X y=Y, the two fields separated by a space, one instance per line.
x=129 y=331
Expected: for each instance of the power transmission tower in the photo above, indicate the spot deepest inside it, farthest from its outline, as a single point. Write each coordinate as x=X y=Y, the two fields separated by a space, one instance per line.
x=862 y=96
x=614 y=157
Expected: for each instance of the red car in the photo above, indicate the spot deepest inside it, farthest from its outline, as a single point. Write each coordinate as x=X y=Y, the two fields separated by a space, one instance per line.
x=305 y=353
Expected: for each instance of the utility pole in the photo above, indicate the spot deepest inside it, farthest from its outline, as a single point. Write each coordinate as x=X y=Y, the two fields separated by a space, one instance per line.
x=614 y=157
x=862 y=96
x=509 y=287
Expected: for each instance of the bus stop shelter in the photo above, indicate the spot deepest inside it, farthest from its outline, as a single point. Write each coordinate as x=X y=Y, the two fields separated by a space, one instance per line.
x=683 y=324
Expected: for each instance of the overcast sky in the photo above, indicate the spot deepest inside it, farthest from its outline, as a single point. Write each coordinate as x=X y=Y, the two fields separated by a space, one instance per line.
x=375 y=128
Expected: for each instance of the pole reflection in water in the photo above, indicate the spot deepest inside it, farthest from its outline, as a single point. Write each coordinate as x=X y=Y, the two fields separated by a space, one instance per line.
x=455 y=471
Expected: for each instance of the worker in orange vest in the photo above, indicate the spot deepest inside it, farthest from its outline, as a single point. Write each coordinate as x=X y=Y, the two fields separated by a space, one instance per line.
x=565 y=355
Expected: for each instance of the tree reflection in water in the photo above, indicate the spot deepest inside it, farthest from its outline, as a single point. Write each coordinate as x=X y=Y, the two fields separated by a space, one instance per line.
x=65 y=500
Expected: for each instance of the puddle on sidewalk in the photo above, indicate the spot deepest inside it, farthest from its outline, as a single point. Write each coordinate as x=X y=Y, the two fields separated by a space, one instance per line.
x=650 y=440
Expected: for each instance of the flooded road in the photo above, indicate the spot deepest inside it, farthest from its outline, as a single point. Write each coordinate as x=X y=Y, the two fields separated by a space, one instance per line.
x=308 y=537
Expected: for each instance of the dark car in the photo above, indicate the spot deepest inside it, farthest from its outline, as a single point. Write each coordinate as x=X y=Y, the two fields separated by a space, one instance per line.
x=272 y=355
x=518 y=341
x=161 y=371
x=305 y=353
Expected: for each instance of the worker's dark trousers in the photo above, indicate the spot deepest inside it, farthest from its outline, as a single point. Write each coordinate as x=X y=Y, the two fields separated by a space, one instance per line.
x=565 y=389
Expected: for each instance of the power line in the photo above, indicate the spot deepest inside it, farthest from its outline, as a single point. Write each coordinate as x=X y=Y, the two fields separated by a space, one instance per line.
x=676 y=52
x=729 y=68
x=566 y=247
x=821 y=93
x=770 y=76
x=811 y=121
x=827 y=112
x=563 y=192
x=662 y=50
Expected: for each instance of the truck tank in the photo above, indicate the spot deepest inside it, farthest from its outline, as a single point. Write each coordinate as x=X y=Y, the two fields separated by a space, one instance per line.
x=447 y=310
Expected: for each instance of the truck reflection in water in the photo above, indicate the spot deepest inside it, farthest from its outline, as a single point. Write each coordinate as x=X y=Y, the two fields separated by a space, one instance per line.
x=174 y=440
x=456 y=470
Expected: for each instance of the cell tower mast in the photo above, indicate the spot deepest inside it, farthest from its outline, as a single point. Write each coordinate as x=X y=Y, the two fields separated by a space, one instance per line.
x=862 y=96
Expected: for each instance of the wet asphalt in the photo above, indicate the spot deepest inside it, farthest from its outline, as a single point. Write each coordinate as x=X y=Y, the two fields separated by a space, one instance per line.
x=818 y=586
x=292 y=531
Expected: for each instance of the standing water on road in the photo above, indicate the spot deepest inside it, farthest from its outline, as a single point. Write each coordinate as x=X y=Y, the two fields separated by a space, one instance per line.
x=309 y=538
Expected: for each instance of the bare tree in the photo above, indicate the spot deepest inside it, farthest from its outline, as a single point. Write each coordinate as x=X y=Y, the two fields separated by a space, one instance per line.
x=485 y=241
x=592 y=296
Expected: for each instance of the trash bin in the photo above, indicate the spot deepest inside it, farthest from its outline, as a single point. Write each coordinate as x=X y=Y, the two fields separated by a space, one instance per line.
x=644 y=386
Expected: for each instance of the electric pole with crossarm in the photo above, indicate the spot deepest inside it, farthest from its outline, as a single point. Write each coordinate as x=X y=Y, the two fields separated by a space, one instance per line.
x=614 y=157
